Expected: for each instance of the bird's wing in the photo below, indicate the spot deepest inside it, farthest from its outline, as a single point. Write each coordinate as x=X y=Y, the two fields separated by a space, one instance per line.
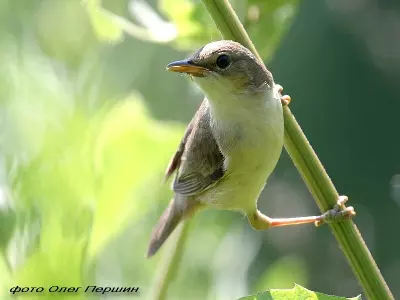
x=199 y=162
x=176 y=158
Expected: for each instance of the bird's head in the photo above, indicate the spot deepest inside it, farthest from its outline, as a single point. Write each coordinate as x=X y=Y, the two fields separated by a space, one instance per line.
x=225 y=66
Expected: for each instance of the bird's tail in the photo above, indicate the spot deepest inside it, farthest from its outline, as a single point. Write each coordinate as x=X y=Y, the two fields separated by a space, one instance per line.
x=178 y=208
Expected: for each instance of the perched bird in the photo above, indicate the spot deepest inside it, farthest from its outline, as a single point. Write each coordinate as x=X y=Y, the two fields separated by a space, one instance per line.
x=232 y=144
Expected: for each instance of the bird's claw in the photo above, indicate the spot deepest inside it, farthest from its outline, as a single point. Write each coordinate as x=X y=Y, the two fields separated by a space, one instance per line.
x=338 y=213
x=285 y=99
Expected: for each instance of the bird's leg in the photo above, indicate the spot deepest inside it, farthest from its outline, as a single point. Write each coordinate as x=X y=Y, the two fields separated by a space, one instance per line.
x=339 y=213
x=285 y=100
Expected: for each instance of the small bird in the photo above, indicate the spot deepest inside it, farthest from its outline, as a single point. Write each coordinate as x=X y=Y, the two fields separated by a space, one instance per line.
x=232 y=144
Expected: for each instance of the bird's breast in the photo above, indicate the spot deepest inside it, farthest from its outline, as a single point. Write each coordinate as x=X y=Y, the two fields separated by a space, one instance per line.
x=252 y=135
x=249 y=161
x=251 y=144
x=252 y=148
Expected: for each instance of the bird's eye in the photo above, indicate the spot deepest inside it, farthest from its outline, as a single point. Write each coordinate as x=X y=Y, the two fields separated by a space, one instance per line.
x=223 y=61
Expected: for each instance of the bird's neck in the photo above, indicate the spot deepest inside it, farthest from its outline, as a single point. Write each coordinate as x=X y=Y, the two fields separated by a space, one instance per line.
x=245 y=122
x=243 y=107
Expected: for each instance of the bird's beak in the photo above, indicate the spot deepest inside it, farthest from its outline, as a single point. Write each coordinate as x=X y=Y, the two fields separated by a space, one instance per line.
x=186 y=66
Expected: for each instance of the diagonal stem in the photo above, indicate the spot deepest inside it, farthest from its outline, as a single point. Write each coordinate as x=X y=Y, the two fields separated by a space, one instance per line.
x=311 y=169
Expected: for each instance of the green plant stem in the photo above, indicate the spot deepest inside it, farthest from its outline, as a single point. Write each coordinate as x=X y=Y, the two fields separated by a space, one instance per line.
x=6 y=261
x=170 y=263
x=311 y=169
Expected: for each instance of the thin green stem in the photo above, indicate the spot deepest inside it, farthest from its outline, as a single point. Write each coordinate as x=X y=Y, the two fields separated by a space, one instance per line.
x=6 y=261
x=311 y=169
x=171 y=262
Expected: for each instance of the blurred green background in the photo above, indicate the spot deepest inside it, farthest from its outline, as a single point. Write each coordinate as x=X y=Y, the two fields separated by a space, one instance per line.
x=89 y=119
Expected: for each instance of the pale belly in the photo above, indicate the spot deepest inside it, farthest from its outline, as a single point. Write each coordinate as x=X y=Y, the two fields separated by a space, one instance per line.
x=245 y=178
x=251 y=140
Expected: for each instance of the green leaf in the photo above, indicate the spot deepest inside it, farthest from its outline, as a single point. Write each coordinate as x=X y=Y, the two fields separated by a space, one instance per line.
x=127 y=181
x=103 y=23
x=296 y=293
x=265 y=21
x=195 y=26
x=283 y=273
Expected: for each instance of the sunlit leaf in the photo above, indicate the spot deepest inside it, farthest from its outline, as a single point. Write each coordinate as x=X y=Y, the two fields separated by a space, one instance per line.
x=194 y=24
x=102 y=22
x=296 y=293
x=125 y=178
x=283 y=273
x=265 y=21
x=79 y=178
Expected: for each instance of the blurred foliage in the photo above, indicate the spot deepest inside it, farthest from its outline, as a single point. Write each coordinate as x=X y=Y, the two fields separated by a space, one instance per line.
x=77 y=179
x=194 y=25
x=191 y=26
x=283 y=272
x=265 y=21
x=102 y=22
x=89 y=121
x=296 y=293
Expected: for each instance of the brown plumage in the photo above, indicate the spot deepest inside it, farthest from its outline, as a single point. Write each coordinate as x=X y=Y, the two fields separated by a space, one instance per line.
x=198 y=164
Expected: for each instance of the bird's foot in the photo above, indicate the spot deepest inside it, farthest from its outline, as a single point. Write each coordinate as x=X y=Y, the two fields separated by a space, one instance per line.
x=338 y=213
x=285 y=99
